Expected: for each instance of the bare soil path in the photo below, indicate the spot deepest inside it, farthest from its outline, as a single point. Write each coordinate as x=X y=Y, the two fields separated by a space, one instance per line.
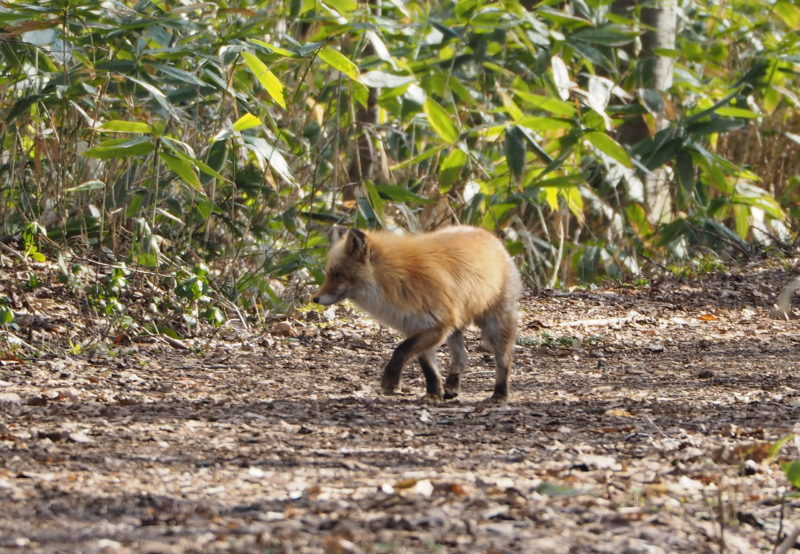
x=640 y=421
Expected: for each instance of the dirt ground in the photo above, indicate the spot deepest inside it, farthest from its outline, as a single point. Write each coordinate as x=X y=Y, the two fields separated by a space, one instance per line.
x=640 y=422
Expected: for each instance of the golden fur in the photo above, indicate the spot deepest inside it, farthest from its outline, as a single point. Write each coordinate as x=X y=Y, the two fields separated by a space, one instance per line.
x=429 y=286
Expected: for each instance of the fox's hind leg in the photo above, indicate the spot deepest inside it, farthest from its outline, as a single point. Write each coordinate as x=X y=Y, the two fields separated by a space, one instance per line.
x=500 y=332
x=433 y=379
x=458 y=363
x=412 y=347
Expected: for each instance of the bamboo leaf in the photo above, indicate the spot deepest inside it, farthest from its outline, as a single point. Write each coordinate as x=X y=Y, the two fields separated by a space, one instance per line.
x=342 y=6
x=547 y=103
x=276 y=49
x=440 y=120
x=609 y=146
x=267 y=79
x=120 y=148
x=741 y=218
x=247 y=121
x=94 y=184
x=339 y=62
x=515 y=151
x=126 y=126
x=574 y=202
x=792 y=471
x=157 y=95
x=397 y=193
x=419 y=158
x=790 y=13
x=182 y=169
x=730 y=111
x=450 y=167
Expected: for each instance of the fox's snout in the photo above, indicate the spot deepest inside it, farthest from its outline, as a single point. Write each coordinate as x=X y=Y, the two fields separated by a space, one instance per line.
x=326 y=299
x=329 y=293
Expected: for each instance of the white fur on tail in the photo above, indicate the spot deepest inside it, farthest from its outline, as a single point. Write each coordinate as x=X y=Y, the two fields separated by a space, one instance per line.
x=783 y=308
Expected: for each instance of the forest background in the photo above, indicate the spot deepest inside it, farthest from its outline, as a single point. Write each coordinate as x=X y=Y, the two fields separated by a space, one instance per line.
x=202 y=151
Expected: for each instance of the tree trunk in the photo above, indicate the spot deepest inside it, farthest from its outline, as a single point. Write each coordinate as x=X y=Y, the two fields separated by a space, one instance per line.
x=657 y=74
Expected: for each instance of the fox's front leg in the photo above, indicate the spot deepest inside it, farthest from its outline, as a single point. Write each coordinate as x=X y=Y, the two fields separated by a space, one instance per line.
x=408 y=350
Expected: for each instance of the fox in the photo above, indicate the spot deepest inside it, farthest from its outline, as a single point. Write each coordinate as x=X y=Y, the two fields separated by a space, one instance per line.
x=429 y=287
x=783 y=306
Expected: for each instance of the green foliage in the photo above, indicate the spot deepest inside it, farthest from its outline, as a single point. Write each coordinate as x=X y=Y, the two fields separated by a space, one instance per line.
x=6 y=313
x=233 y=135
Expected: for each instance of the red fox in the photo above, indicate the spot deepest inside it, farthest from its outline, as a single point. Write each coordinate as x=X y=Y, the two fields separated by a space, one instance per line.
x=429 y=287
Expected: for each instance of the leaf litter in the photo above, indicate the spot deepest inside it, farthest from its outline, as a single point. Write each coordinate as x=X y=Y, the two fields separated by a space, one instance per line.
x=641 y=420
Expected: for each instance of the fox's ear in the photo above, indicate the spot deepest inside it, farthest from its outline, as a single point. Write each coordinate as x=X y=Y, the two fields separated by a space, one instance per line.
x=337 y=232
x=356 y=244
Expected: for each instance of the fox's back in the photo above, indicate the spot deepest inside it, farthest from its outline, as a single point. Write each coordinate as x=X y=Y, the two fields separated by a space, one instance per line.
x=456 y=275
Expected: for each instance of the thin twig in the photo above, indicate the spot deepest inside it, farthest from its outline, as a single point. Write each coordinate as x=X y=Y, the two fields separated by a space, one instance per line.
x=789 y=542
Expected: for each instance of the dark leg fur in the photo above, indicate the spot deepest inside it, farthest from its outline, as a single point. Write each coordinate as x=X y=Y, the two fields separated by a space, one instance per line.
x=458 y=363
x=433 y=380
x=499 y=332
x=408 y=349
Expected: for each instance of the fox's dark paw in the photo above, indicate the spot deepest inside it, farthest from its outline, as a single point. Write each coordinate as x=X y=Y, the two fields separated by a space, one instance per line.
x=390 y=390
x=452 y=386
x=430 y=398
x=496 y=400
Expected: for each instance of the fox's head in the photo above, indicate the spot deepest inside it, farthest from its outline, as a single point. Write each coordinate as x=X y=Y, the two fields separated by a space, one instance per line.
x=347 y=269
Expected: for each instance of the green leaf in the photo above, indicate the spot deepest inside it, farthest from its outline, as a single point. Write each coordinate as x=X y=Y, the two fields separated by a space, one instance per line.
x=94 y=184
x=342 y=6
x=179 y=75
x=271 y=156
x=715 y=125
x=419 y=158
x=776 y=447
x=685 y=170
x=790 y=13
x=174 y=146
x=375 y=200
x=515 y=150
x=496 y=215
x=157 y=95
x=730 y=111
x=126 y=126
x=183 y=169
x=741 y=219
x=267 y=79
x=574 y=202
x=440 y=120
x=792 y=471
x=213 y=315
x=609 y=35
x=652 y=100
x=450 y=168
x=560 y=18
x=397 y=193
x=383 y=79
x=563 y=181
x=557 y=490
x=511 y=108
x=120 y=148
x=276 y=49
x=339 y=62
x=609 y=146
x=547 y=103
x=543 y=124
x=6 y=315
x=247 y=121
x=204 y=207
